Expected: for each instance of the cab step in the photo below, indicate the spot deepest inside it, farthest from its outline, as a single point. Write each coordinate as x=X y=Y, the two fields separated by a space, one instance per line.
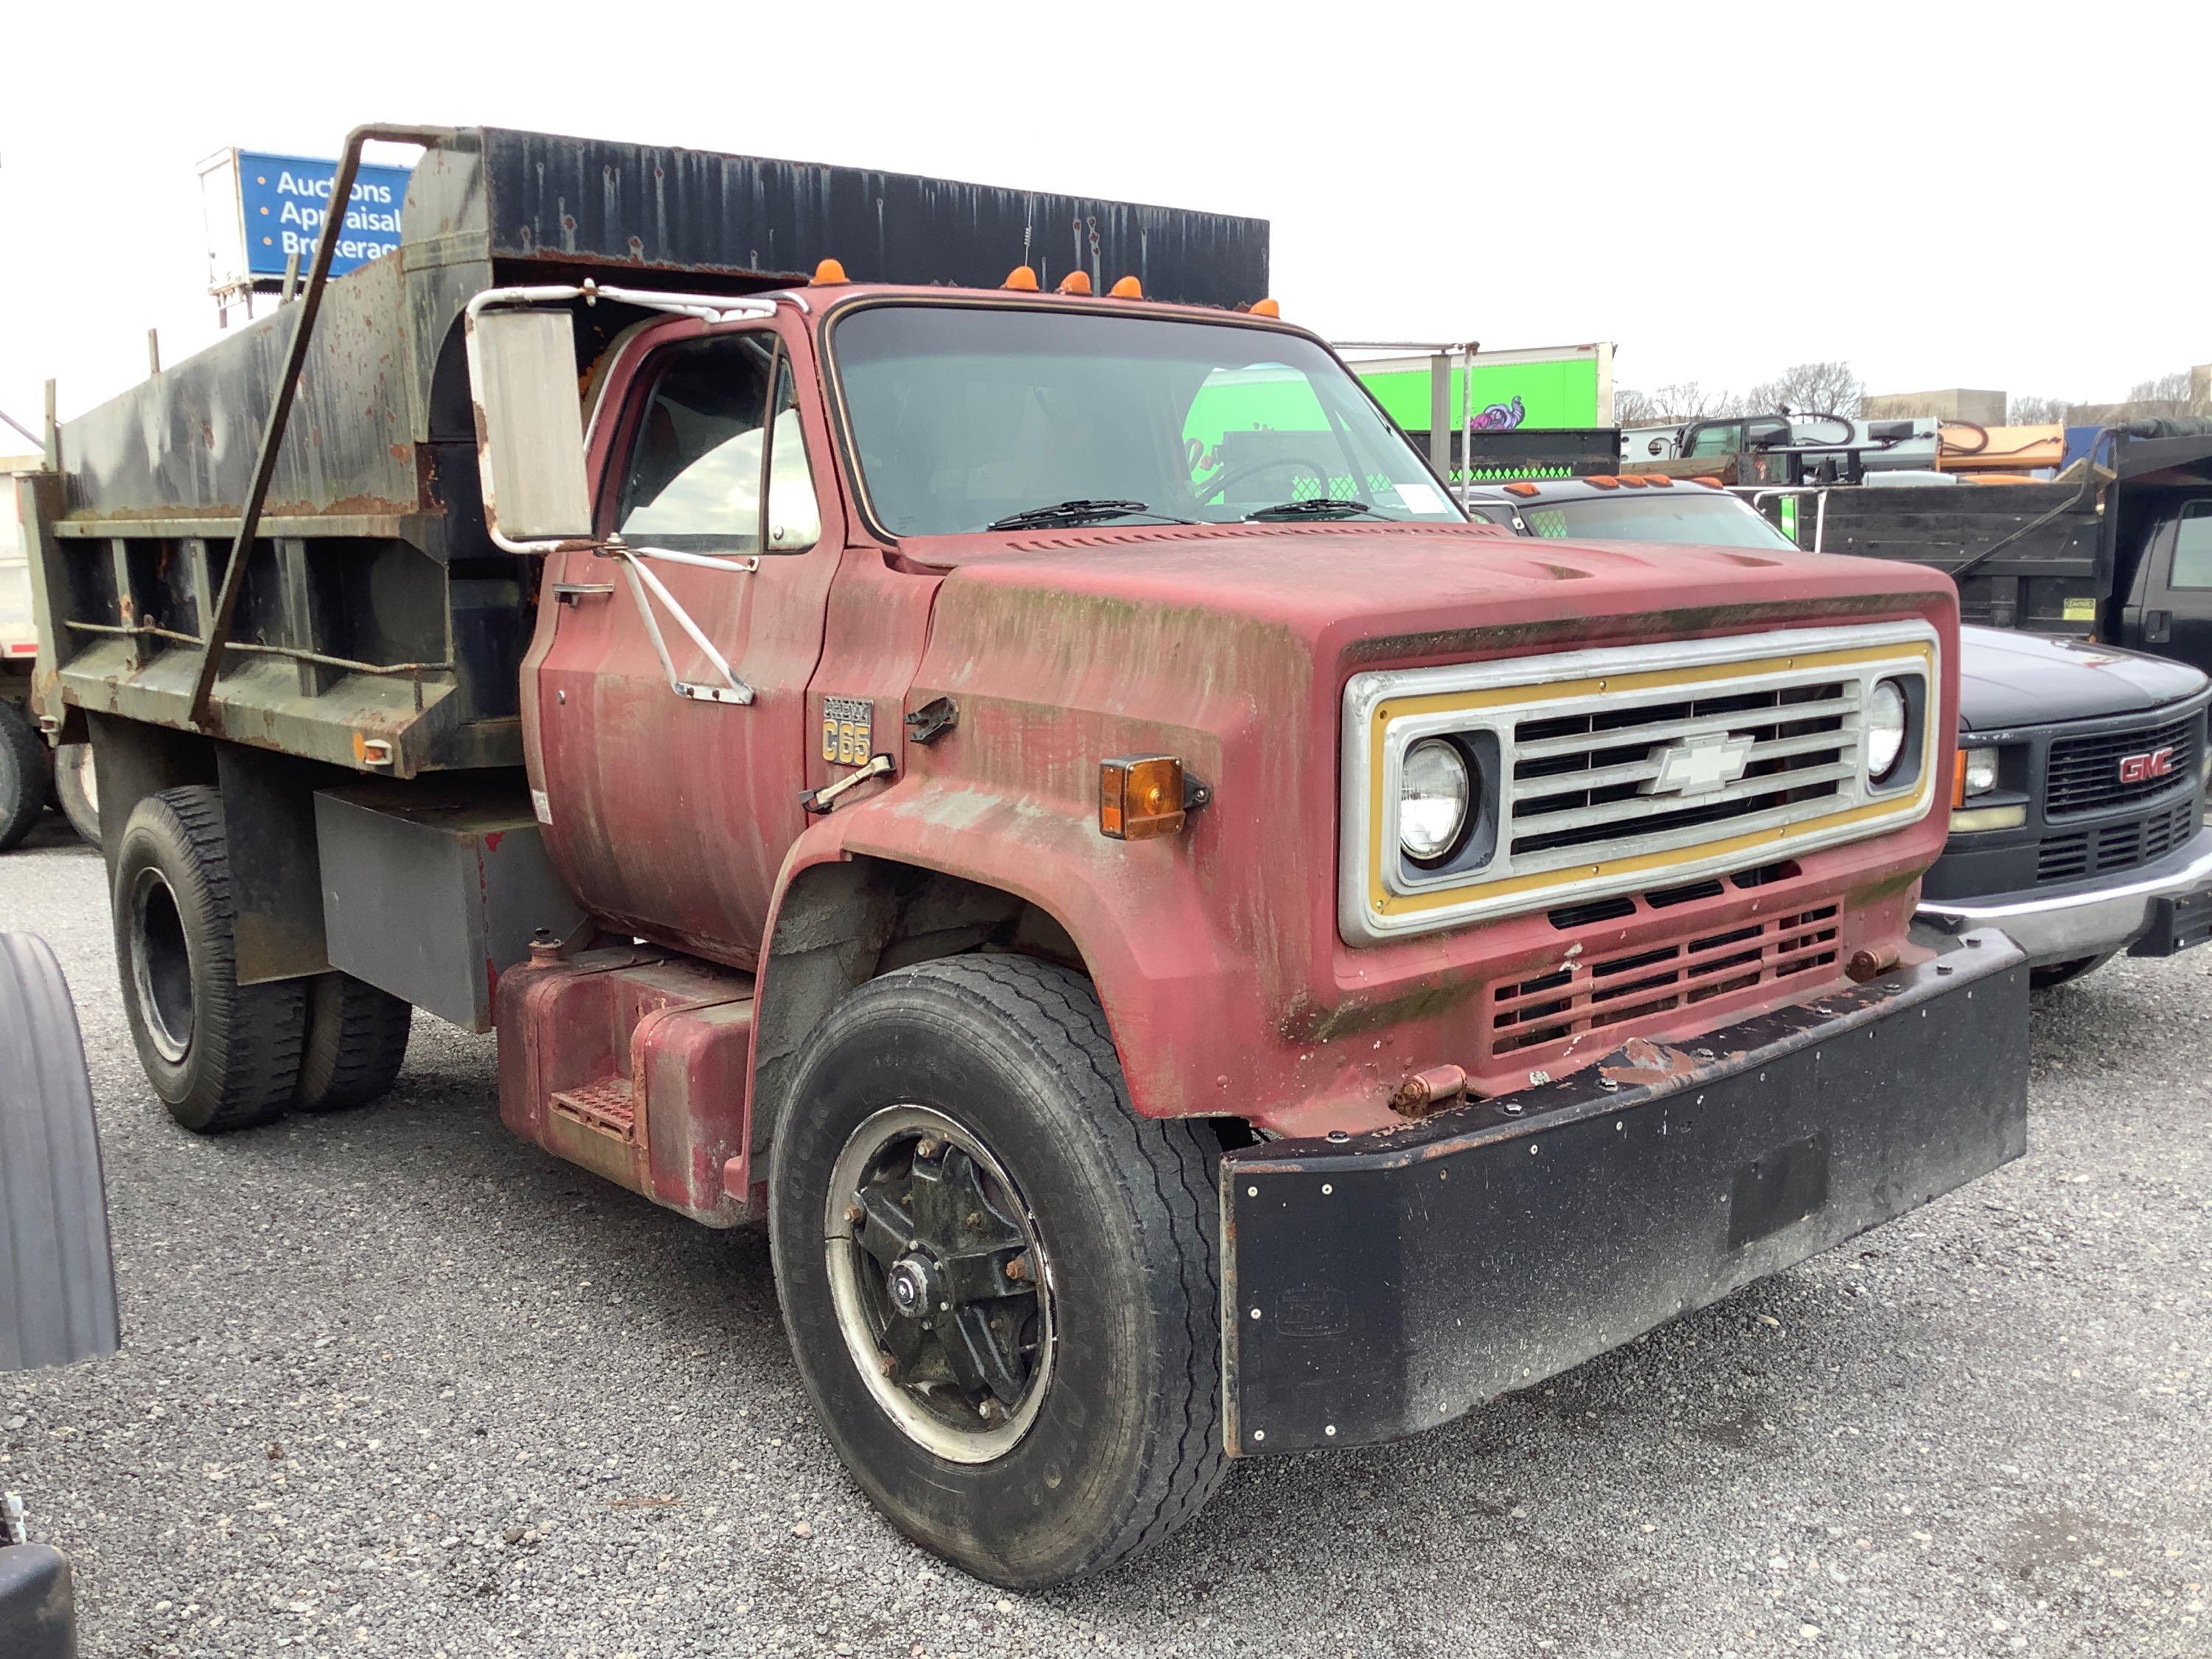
x=632 y=1061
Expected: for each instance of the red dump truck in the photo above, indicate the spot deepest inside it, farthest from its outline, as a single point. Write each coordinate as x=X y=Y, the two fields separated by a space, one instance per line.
x=1018 y=775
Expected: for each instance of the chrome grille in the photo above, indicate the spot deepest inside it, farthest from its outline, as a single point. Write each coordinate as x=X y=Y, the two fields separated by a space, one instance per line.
x=1628 y=770
x=1580 y=781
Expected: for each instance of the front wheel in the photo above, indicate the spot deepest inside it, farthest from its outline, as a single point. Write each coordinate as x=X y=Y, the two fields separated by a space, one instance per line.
x=1000 y=1283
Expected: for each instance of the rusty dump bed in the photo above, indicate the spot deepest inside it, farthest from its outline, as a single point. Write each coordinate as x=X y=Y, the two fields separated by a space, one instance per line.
x=375 y=610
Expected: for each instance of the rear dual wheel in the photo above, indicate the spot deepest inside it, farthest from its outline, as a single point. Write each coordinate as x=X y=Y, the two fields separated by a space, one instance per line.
x=222 y=1055
x=26 y=773
x=1000 y=1283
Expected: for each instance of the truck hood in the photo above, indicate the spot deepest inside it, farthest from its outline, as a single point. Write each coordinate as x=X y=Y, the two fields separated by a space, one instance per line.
x=2009 y=679
x=1418 y=590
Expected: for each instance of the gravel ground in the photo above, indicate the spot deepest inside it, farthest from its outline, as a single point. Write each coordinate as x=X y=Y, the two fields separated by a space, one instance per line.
x=396 y=1384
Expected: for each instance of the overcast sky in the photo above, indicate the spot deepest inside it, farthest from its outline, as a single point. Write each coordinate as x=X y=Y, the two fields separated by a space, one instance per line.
x=1999 y=196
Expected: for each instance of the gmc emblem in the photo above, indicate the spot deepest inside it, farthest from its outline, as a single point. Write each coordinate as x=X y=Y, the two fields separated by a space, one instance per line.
x=2142 y=768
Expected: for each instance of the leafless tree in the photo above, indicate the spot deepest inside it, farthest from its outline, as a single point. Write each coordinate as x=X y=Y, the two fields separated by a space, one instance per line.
x=2032 y=410
x=2166 y=388
x=1822 y=388
x=1672 y=405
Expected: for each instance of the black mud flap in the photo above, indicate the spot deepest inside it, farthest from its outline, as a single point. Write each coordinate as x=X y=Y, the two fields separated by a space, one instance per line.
x=1388 y=1283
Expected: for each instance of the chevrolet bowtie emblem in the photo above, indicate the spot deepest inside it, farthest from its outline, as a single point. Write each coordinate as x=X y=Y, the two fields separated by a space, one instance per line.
x=1700 y=764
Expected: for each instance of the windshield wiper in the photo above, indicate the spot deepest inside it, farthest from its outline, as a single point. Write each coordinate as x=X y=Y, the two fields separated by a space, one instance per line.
x=1314 y=507
x=1074 y=512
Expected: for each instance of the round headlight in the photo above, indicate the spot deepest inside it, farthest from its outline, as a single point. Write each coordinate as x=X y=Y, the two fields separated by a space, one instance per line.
x=1433 y=791
x=1885 y=729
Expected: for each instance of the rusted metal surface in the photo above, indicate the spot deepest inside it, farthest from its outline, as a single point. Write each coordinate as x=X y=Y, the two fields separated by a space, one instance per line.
x=1430 y=1090
x=595 y=203
x=632 y=1062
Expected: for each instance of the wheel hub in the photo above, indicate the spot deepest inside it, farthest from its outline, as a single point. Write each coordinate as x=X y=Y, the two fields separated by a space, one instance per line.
x=913 y=1286
x=940 y=1282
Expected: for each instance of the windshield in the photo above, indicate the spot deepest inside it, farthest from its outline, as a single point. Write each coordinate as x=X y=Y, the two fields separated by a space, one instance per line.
x=1702 y=519
x=964 y=417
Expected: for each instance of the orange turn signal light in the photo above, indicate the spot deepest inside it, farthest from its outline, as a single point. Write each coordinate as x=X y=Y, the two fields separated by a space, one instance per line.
x=1127 y=288
x=1957 y=778
x=1144 y=796
x=829 y=274
x=1076 y=282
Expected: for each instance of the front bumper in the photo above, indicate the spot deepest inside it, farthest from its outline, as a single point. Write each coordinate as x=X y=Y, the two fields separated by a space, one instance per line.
x=2154 y=910
x=1388 y=1282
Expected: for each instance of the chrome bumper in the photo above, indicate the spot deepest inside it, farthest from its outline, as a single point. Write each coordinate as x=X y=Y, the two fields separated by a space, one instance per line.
x=2065 y=924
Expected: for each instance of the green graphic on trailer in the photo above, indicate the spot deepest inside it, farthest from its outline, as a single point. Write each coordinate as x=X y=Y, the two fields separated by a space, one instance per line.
x=1506 y=395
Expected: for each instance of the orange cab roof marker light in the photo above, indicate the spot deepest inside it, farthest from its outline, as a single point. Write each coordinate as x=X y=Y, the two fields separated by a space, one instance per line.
x=1127 y=288
x=1022 y=280
x=1524 y=488
x=1266 y=308
x=829 y=274
x=1076 y=282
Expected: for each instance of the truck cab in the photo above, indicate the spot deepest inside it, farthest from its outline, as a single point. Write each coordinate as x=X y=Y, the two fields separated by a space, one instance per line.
x=1030 y=786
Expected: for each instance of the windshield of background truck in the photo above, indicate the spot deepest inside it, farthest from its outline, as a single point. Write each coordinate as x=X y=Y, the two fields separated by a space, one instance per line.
x=963 y=415
x=1702 y=519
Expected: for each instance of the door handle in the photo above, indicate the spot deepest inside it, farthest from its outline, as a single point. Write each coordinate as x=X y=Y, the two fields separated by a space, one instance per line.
x=2157 y=627
x=572 y=592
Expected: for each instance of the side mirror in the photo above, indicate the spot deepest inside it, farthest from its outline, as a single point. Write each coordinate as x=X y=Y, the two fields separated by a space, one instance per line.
x=530 y=427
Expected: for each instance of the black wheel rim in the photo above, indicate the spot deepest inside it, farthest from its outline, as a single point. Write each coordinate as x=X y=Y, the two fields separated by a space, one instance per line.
x=943 y=1291
x=162 y=966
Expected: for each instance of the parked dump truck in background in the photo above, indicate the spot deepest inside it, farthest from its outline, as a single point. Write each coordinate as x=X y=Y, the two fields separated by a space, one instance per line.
x=31 y=776
x=1195 y=949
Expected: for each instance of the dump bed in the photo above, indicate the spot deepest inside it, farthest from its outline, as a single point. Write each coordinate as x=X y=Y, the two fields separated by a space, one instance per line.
x=375 y=610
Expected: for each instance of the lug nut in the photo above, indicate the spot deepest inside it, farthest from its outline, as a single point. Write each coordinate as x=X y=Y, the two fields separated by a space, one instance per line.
x=974 y=1220
x=887 y=1363
x=989 y=1409
x=855 y=1215
x=1020 y=1270
x=927 y=1147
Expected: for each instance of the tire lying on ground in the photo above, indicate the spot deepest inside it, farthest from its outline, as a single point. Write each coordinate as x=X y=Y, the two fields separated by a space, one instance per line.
x=221 y=1055
x=356 y=1040
x=999 y=1282
x=76 y=792
x=26 y=773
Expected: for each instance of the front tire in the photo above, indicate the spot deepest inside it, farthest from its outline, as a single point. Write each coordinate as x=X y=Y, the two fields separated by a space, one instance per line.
x=221 y=1055
x=1064 y=1410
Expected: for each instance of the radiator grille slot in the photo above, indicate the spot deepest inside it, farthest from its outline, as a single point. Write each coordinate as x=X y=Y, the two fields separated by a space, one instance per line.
x=1550 y=1010
x=2084 y=774
x=2106 y=848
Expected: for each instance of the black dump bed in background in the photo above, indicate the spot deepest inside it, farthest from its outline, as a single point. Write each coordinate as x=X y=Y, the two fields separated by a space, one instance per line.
x=375 y=607
x=2048 y=570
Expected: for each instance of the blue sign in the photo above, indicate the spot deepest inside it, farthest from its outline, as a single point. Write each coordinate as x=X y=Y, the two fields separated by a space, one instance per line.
x=284 y=199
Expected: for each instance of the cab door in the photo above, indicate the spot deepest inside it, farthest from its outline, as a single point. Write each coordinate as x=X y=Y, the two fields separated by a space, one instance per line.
x=669 y=806
x=2173 y=617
